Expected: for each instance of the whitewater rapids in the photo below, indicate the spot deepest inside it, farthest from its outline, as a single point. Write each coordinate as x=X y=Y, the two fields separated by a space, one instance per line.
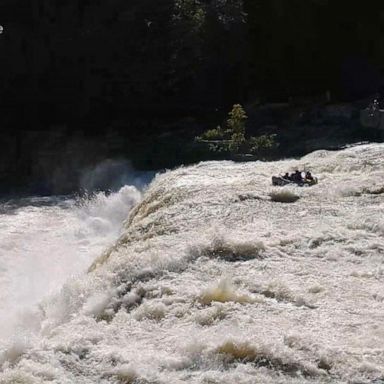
x=218 y=277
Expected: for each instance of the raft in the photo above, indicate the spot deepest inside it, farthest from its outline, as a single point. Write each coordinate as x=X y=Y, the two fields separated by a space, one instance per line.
x=281 y=181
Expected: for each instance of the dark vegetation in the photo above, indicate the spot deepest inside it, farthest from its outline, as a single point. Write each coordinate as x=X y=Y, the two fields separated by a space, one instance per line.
x=232 y=139
x=86 y=80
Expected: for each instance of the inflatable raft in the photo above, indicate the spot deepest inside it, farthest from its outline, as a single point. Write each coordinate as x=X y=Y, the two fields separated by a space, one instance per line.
x=280 y=181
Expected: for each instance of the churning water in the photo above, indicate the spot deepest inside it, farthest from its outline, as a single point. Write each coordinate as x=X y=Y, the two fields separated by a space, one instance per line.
x=217 y=277
x=45 y=240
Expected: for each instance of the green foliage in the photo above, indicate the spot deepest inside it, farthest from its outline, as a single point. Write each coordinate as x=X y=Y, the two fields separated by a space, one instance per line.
x=212 y=134
x=236 y=121
x=191 y=13
x=237 y=143
x=262 y=144
x=233 y=139
x=228 y=12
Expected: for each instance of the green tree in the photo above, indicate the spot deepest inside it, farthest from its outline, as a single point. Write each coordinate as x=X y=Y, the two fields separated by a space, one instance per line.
x=262 y=145
x=233 y=139
x=236 y=120
x=236 y=127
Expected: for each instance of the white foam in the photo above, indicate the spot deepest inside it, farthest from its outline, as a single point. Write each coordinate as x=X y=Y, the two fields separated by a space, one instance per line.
x=46 y=241
x=211 y=281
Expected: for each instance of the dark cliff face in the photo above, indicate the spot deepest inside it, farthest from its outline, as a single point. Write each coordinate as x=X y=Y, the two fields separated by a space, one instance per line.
x=67 y=60
x=148 y=66
x=306 y=47
x=91 y=60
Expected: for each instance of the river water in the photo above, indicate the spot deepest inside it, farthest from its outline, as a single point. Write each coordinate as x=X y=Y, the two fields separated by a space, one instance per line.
x=211 y=276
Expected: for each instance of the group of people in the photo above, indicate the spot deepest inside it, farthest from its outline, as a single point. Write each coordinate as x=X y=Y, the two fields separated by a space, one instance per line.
x=297 y=176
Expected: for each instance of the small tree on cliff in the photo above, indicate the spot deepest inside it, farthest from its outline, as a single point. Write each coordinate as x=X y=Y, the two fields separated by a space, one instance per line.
x=236 y=120
x=236 y=127
x=233 y=139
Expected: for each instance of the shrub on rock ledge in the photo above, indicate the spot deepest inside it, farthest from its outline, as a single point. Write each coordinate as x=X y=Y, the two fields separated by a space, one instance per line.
x=233 y=140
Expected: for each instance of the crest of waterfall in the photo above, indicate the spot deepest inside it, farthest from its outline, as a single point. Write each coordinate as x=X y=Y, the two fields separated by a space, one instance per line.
x=218 y=277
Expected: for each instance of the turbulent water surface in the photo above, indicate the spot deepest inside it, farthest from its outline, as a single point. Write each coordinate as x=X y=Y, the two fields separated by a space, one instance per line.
x=217 y=277
x=45 y=240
